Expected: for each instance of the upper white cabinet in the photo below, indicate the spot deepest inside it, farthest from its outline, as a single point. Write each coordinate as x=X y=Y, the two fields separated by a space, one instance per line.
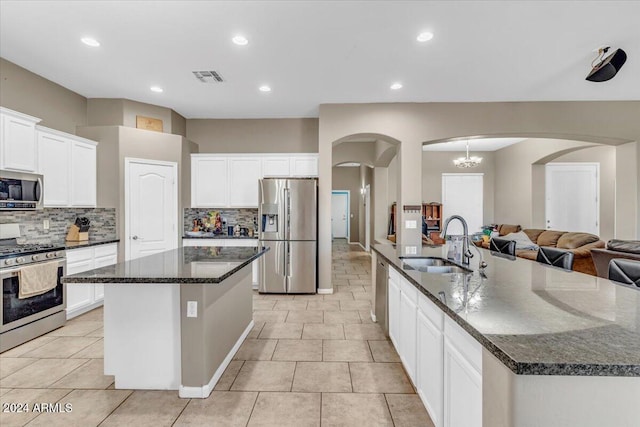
x=244 y=173
x=231 y=180
x=304 y=166
x=68 y=164
x=18 y=145
x=209 y=181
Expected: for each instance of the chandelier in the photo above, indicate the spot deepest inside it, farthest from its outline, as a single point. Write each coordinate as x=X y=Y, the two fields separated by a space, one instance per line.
x=467 y=162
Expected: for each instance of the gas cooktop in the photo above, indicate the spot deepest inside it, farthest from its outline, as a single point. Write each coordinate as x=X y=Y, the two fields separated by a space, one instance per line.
x=9 y=248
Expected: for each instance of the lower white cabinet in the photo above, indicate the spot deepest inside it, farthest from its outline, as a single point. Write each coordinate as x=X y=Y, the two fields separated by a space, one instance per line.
x=442 y=359
x=255 y=266
x=84 y=297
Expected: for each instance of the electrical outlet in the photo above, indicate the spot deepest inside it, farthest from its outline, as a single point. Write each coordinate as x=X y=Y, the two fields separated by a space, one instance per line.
x=45 y=224
x=412 y=223
x=192 y=308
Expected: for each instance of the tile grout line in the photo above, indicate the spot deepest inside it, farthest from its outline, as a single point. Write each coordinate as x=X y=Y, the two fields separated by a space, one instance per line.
x=183 y=408
x=252 y=408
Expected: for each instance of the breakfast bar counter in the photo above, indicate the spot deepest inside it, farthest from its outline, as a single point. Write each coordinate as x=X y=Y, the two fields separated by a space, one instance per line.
x=173 y=320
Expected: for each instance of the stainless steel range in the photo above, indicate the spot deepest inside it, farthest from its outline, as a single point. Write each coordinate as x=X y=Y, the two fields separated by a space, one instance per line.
x=24 y=318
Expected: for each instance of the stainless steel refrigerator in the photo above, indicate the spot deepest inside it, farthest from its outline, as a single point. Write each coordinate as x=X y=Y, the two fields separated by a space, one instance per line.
x=288 y=218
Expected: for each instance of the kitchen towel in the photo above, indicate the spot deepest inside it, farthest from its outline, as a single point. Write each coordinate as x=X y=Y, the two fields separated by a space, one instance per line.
x=37 y=279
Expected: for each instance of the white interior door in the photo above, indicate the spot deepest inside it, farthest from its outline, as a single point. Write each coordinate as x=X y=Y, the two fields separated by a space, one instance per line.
x=151 y=198
x=340 y=214
x=367 y=217
x=462 y=195
x=572 y=202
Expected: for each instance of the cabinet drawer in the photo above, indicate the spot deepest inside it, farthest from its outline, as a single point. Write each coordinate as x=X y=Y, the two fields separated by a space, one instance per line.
x=464 y=343
x=106 y=250
x=78 y=255
x=409 y=290
x=431 y=312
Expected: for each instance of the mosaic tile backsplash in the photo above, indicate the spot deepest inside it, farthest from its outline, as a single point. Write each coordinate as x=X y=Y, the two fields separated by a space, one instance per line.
x=103 y=222
x=242 y=217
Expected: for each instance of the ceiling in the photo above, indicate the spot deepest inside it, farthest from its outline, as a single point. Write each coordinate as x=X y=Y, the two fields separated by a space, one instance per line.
x=480 y=144
x=316 y=52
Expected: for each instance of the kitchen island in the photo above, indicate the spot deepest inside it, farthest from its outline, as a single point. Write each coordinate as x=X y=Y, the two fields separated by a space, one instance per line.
x=523 y=345
x=174 y=320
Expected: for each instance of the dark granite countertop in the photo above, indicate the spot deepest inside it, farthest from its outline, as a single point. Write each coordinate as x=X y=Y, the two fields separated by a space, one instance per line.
x=218 y=236
x=88 y=243
x=180 y=266
x=536 y=319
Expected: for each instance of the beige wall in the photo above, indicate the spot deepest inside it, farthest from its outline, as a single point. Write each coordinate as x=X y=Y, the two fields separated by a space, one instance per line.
x=366 y=178
x=627 y=190
x=348 y=178
x=124 y=112
x=435 y=163
x=254 y=135
x=26 y=92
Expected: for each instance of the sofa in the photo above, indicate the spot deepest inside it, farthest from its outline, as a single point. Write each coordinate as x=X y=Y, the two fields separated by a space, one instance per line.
x=580 y=244
x=627 y=249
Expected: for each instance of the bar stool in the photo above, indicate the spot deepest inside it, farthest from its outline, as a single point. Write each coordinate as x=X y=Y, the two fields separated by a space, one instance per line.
x=502 y=246
x=625 y=271
x=555 y=257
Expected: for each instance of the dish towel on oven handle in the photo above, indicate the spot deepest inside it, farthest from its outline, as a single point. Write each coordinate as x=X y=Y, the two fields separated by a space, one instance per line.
x=37 y=279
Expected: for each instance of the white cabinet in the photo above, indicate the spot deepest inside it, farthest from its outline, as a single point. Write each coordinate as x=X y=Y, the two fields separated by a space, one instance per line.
x=277 y=167
x=462 y=378
x=18 y=144
x=394 y=307
x=231 y=180
x=244 y=173
x=255 y=265
x=209 y=182
x=69 y=166
x=304 y=166
x=429 y=369
x=408 y=324
x=87 y=296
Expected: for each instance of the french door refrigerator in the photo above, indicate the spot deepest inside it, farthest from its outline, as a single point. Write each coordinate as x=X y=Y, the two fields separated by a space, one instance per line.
x=288 y=212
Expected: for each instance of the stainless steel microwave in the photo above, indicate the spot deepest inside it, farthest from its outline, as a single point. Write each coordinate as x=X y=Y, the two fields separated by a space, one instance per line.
x=21 y=191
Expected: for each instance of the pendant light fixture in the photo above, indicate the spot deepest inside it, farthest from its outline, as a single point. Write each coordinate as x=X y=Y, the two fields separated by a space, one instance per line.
x=467 y=162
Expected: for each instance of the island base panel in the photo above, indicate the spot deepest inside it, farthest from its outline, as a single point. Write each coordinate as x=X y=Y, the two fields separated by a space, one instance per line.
x=142 y=335
x=511 y=400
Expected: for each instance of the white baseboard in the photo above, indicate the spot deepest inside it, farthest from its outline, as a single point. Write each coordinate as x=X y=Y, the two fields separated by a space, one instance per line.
x=82 y=310
x=373 y=317
x=322 y=291
x=204 y=391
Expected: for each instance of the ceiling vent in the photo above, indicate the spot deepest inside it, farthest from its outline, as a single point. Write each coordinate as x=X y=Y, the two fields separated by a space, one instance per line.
x=208 y=76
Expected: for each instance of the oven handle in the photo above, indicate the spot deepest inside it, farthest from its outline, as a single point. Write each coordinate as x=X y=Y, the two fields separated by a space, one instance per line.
x=7 y=273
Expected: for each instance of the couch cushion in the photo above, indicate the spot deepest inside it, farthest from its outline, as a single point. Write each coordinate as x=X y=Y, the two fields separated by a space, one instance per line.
x=522 y=241
x=533 y=233
x=576 y=240
x=549 y=238
x=505 y=229
x=628 y=246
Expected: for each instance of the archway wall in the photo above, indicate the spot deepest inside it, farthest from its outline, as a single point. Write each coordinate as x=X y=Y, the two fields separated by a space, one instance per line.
x=412 y=124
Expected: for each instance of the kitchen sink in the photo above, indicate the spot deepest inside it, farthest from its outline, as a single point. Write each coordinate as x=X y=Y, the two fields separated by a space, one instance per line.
x=432 y=265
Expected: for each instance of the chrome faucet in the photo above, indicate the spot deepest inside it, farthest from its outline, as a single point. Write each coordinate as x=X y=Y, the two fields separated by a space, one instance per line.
x=466 y=253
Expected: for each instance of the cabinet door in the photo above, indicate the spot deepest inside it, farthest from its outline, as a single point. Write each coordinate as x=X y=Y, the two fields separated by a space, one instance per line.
x=18 y=144
x=276 y=167
x=244 y=173
x=83 y=174
x=462 y=390
x=209 y=182
x=408 y=323
x=241 y=242
x=304 y=166
x=429 y=367
x=394 y=312
x=54 y=161
x=79 y=295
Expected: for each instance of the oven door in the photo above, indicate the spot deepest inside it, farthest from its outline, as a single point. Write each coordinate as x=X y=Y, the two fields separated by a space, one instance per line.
x=21 y=191
x=17 y=312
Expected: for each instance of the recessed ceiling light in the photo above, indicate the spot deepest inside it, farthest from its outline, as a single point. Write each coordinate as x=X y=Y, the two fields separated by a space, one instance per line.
x=264 y=88
x=396 y=86
x=157 y=89
x=424 y=37
x=90 y=41
x=240 y=40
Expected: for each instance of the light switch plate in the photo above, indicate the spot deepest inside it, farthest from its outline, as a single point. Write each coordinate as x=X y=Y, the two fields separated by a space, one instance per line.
x=192 y=308
x=411 y=250
x=45 y=224
x=411 y=223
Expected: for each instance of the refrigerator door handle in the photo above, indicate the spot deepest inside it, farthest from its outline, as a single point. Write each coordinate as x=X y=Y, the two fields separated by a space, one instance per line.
x=288 y=213
x=287 y=271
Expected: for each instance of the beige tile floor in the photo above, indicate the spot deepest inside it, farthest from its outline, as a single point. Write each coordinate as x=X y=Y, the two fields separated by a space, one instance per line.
x=310 y=360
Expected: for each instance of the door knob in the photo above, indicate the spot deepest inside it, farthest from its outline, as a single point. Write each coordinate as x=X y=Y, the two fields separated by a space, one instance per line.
x=134 y=237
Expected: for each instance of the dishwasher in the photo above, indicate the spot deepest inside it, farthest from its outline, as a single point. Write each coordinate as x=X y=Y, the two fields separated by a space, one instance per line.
x=382 y=276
